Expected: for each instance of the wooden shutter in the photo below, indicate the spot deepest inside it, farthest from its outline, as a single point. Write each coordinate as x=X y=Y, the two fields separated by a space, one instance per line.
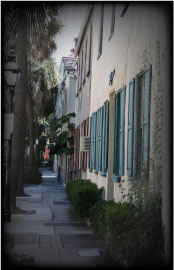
x=94 y=120
x=106 y=136
x=95 y=125
x=98 y=138
x=116 y=134
x=83 y=154
x=86 y=134
x=142 y=133
x=90 y=146
x=145 y=119
x=130 y=128
x=77 y=149
x=101 y=138
x=121 y=132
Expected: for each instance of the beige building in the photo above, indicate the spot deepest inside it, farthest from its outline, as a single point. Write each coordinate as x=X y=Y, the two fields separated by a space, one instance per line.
x=129 y=91
x=65 y=104
x=83 y=93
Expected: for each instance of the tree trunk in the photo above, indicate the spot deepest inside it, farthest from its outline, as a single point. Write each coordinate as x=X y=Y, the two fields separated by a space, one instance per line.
x=37 y=137
x=19 y=113
x=31 y=133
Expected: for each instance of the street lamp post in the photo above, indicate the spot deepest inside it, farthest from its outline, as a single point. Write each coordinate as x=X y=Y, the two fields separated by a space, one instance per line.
x=11 y=74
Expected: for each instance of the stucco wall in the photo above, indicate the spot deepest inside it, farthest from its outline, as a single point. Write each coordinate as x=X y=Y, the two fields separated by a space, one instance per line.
x=140 y=39
x=83 y=100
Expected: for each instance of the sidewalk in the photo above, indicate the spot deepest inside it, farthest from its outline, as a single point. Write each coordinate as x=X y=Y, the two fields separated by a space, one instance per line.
x=50 y=234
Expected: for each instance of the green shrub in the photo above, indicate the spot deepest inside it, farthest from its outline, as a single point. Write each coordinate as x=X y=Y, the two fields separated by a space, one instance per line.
x=83 y=194
x=32 y=176
x=132 y=234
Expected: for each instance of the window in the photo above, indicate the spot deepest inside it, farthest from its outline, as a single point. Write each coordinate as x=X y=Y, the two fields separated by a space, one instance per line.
x=81 y=72
x=93 y=141
x=85 y=62
x=112 y=22
x=119 y=107
x=138 y=138
x=98 y=152
x=130 y=128
x=90 y=140
x=142 y=123
x=84 y=154
x=101 y=32
x=99 y=138
x=105 y=140
x=89 y=53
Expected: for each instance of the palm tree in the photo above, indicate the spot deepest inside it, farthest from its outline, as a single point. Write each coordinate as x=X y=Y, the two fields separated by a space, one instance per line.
x=20 y=20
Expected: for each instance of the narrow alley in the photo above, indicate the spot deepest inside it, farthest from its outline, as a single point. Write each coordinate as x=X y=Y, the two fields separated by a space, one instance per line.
x=49 y=233
x=87 y=134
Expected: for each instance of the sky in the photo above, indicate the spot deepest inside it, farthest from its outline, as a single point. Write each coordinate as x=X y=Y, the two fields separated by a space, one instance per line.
x=72 y=17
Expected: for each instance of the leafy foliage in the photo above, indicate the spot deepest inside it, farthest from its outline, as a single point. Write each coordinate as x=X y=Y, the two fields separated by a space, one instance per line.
x=65 y=138
x=83 y=194
x=132 y=234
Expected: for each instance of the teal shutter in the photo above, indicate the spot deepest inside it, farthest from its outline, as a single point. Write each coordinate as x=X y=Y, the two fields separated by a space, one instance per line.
x=95 y=125
x=93 y=138
x=145 y=119
x=121 y=132
x=142 y=134
x=90 y=144
x=138 y=132
x=101 y=138
x=130 y=128
x=116 y=134
x=106 y=136
x=98 y=138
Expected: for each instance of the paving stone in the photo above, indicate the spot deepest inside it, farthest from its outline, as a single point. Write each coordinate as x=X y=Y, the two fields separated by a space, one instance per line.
x=44 y=239
x=89 y=253
x=62 y=203
x=63 y=224
x=48 y=258
x=80 y=241
x=70 y=229
x=17 y=260
x=21 y=238
x=62 y=239
x=56 y=241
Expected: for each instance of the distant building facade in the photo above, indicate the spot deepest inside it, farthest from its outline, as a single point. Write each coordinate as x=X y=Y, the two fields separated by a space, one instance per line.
x=65 y=104
x=83 y=93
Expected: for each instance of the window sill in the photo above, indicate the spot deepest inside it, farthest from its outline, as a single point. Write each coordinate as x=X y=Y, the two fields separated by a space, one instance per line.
x=116 y=178
x=103 y=174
